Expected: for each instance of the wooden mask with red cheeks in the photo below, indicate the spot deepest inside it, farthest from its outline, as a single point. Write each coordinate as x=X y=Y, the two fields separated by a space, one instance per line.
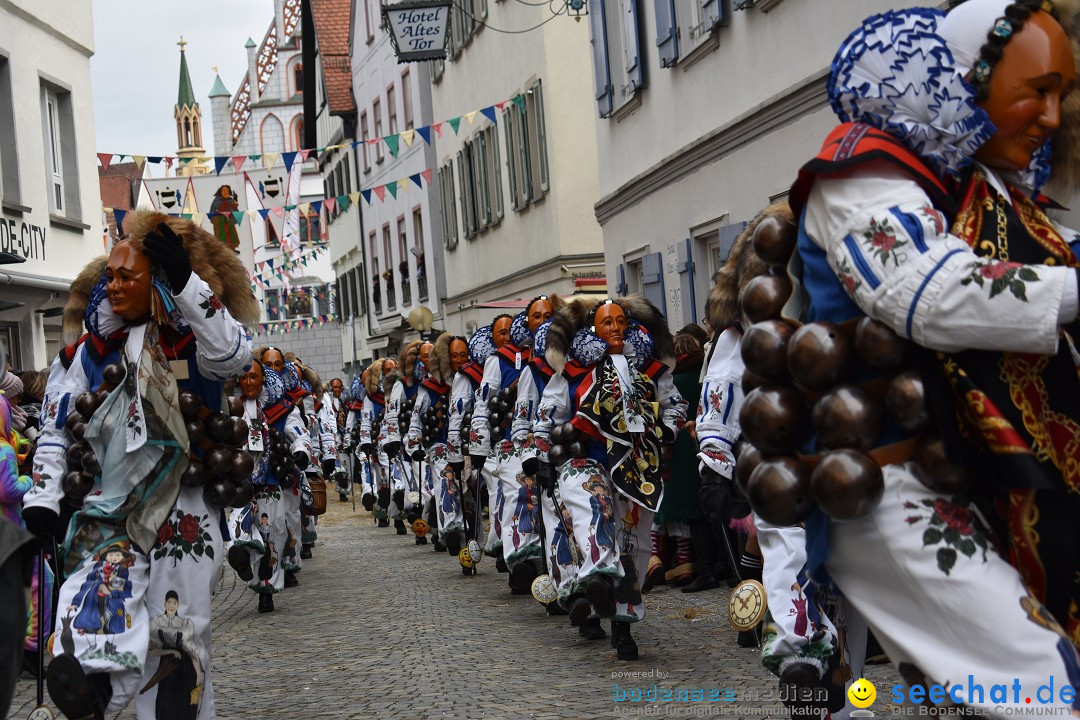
x=610 y=323
x=425 y=352
x=127 y=282
x=500 y=331
x=337 y=387
x=274 y=360
x=539 y=313
x=389 y=366
x=1035 y=73
x=459 y=354
x=251 y=382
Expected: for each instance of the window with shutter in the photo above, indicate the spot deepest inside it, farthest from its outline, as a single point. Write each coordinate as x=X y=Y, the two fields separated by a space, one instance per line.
x=511 y=153
x=711 y=15
x=541 y=137
x=667 y=32
x=462 y=197
x=687 y=294
x=652 y=280
x=620 y=280
x=601 y=68
x=495 y=172
x=635 y=73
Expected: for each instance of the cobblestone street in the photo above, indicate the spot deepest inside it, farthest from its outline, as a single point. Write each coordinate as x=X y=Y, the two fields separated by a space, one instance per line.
x=381 y=628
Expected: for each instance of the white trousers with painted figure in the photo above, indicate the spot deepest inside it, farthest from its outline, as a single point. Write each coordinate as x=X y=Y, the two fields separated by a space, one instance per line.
x=290 y=553
x=185 y=633
x=365 y=474
x=519 y=515
x=804 y=623
x=426 y=478
x=612 y=532
x=560 y=545
x=267 y=539
x=921 y=571
x=446 y=490
x=489 y=474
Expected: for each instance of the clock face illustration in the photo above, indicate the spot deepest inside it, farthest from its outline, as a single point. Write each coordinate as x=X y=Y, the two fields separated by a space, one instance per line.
x=747 y=605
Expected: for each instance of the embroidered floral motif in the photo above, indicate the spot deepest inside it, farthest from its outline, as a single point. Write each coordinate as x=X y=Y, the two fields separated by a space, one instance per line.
x=40 y=479
x=211 y=305
x=134 y=420
x=883 y=241
x=952 y=526
x=183 y=535
x=1002 y=276
x=935 y=217
x=847 y=277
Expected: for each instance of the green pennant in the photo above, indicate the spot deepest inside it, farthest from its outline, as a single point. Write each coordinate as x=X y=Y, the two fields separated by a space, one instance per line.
x=455 y=123
x=343 y=202
x=392 y=188
x=185 y=161
x=238 y=217
x=519 y=100
x=186 y=216
x=392 y=142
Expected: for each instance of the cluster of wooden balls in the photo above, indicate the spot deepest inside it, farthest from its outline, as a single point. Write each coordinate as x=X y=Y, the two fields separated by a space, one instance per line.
x=501 y=410
x=566 y=443
x=405 y=413
x=223 y=469
x=81 y=461
x=282 y=463
x=798 y=380
x=433 y=421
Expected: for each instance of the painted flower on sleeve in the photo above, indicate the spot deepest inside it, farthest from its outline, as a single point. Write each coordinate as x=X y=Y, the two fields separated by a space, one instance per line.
x=847 y=278
x=883 y=241
x=211 y=305
x=1002 y=276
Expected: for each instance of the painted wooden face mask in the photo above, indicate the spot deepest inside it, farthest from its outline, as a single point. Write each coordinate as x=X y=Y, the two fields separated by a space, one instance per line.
x=610 y=326
x=459 y=354
x=273 y=359
x=127 y=282
x=539 y=313
x=251 y=382
x=425 y=353
x=500 y=331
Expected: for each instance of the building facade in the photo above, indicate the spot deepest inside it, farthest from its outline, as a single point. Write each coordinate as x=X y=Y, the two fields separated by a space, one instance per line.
x=517 y=194
x=719 y=122
x=50 y=212
x=397 y=267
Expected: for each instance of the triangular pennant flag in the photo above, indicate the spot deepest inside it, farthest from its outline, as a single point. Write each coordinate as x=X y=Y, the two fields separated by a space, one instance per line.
x=403 y=184
x=219 y=163
x=270 y=263
x=501 y=105
x=392 y=189
x=276 y=210
x=269 y=159
x=304 y=155
x=469 y=116
x=407 y=136
x=105 y=159
x=426 y=174
x=354 y=197
x=254 y=157
x=290 y=207
x=253 y=214
x=140 y=160
x=437 y=127
x=168 y=163
x=316 y=207
x=264 y=212
x=489 y=112
x=455 y=123
x=367 y=196
x=186 y=216
x=343 y=203
x=416 y=179
x=119 y=215
x=156 y=159
x=304 y=208
x=238 y=162
x=120 y=158
x=392 y=143
x=329 y=203
x=425 y=133
x=198 y=218
x=380 y=192
x=288 y=159
x=185 y=161
x=237 y=216
x=519 y=100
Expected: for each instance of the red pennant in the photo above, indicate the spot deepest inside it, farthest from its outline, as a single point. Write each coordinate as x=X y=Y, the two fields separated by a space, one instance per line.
x=501 y=105
x=381 y=192
x=329 y=203
x=426 y=174
x=304 y=155
x=437 y=127
x=168 y=162
x=238 y=162
x=105 y=159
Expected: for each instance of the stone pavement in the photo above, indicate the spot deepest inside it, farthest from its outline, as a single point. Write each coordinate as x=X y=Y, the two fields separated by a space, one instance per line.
x=381 y=628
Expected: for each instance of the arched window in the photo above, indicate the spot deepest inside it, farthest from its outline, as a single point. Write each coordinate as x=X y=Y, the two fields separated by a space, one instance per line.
x=198 y=138
x=272 y=136
x=298 y=77
x=299 y=139
x=187 y=132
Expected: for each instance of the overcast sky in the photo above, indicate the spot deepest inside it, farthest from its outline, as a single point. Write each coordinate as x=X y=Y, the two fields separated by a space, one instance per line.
x=136 y=65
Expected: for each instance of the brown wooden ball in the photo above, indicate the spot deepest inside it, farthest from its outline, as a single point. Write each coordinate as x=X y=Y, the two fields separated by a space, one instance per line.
x=774 y=240
x=764 y=349
x=236 y=406
x=576 y=449
x=779 y=491
x=847 y=417
x=905 y=399
x=239 y=435
x=819 y=356
x=751 y=381
x=195 y=431
x=74 y=455
x=73 y=419
x=86 y=403
x=79 y=430
x=77 y=485
x=286 y=479
x=89 y=462
x=195 y=474
x=764 y=297
x=113 y=374
x=775 y=419
x=243 y=464
x=190 y=404
x=847 y=484
x=936 y=471
x=878 y=346
x=100 y=397
x=747 y=458
x=219 y=462
x=558 y=455
x=219 y=493
x=245 y=493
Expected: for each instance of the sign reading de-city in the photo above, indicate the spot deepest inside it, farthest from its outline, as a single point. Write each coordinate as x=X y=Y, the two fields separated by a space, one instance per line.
x=419 y=29
x=22 y=238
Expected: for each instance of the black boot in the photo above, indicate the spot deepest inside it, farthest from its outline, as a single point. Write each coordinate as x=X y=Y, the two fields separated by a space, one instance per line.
x=266 y=602
x=438 y=546
x=578 y=610
x=305 y=552
x=368 y=501
x=554 y=609
x=601 y=595
x=240 y=561
x=399 y=526
x=705 y=580
x=290 y=579
x=76 y=693
x=798 y=686
x=384 y=522
x=591 y=629
x=522 y=575
x=421 y=540
x=343 y=497
x=500 y=564
x=625 y=647
x=705 y=548
x=453 y=543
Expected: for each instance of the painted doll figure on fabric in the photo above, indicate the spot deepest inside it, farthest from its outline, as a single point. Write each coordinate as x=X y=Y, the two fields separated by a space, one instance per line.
x=161 y=315
x=923 y=212
x=179 y=676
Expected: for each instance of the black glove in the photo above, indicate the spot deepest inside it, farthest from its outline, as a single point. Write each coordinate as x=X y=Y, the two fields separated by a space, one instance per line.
x=42 y=523
x=530 y=465
x=166 y=250
x=391 y=449
x=366 y=448
x=545 y=476
x=301 y=461
x=418 y=455
x=327 y=468
x=478 y=461
x=458 y=467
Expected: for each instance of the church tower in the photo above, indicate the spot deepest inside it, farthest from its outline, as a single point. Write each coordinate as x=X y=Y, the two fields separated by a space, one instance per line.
x=188 y=124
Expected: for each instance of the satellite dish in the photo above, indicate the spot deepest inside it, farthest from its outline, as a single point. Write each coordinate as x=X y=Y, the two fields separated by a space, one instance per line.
x=420 y=318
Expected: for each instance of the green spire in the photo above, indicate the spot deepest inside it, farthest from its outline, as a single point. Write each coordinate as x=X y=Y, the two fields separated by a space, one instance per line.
x=186 y=97
x=219 y=88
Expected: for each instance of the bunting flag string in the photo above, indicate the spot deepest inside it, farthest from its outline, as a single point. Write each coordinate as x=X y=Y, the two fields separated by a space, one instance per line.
x=393 y=143
x=280 y=326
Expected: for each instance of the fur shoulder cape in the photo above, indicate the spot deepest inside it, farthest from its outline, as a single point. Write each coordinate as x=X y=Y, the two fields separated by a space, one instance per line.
x=439 y=359
x=574 y=316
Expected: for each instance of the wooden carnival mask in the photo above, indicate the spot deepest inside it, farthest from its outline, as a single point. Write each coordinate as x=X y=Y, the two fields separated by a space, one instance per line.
x=459 y=353
x=500 y=330
x=540 y=311
x=610 y=326
x=251 y=382
x=425 y=353
x=1035 y=73
x=274 y=360
x=127 y=282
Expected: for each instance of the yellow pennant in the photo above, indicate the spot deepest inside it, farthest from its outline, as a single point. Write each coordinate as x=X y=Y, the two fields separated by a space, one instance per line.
x=269 y=159
x=139 y=160
x=470 y=115
x=407 y=136
x=403 y=184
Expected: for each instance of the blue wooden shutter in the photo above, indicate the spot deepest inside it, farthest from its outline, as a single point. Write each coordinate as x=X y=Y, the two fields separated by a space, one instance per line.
x=635 y=69
x=686 y=281
x=620 y=280
x=652 y=281
x=667 y=32
x=601 y=71
x=711 y=15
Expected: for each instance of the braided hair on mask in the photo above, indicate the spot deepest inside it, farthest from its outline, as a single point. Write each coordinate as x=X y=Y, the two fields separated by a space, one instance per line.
x=999 y=36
